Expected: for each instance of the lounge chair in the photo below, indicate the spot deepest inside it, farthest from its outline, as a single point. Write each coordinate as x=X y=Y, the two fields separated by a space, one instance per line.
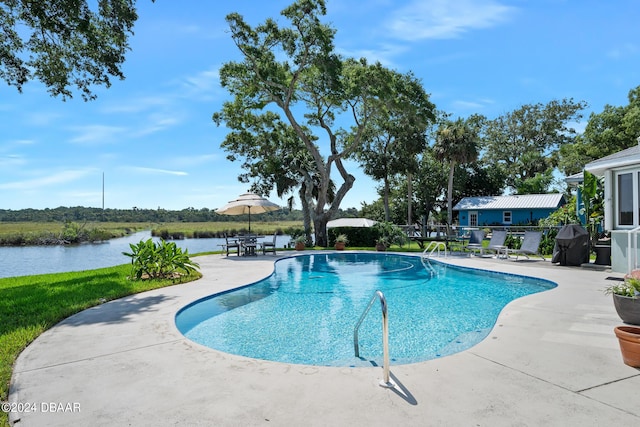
x=231 y=245
x=496 y=244
x=475 y=241
x=530 y=245
x=269 y=246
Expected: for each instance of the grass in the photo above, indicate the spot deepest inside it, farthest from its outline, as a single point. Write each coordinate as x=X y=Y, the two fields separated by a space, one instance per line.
x=7 y=228
x=21 y=233
x=189 y=229
x=29 y=305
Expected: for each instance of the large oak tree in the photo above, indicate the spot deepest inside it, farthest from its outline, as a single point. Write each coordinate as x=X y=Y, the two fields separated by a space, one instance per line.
x=64 y=43
x=326 y=100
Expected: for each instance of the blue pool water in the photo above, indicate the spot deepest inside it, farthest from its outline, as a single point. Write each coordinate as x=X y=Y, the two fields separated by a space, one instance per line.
x=306 y=311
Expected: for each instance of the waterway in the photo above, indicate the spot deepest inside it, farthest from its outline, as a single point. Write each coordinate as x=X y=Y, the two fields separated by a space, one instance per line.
x=28 y=260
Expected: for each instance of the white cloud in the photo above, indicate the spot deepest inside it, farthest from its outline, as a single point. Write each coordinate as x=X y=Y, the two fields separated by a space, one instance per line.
x=203 y=83
x=144 y=170
x=55 y=178
x=158 y=122
x=137 y=104
x=43 y=118
x=472 y=105
x=623 y=51
x=12 y=161
x=96 y=134
x=195 y=160
x=467 y=105
x=445 y=19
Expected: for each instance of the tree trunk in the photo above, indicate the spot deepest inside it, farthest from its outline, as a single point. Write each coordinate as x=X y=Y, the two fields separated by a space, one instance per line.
x=387 y=213
x=320 y=228
x=409 y=200
x=450 y=194
x=306 y=213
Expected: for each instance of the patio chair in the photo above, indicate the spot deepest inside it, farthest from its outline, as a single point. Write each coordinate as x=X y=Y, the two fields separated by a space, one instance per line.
x=496 y=243
x=269 y=246
x=475 y=241
x=530 y=245
x=452 y=240
x=230 y=245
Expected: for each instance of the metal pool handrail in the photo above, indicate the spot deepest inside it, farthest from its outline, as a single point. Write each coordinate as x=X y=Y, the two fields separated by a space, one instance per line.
x=428 y=252
x=386 y=382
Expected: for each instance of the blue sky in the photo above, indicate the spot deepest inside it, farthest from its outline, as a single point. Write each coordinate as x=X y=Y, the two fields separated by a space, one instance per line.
x=152 y=137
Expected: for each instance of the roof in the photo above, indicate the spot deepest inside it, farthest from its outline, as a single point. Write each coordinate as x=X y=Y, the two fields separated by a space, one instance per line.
x=525 y=201
x=630 y=156
x=576 y=178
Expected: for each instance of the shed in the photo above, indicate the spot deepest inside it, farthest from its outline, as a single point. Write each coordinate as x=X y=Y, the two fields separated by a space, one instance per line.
x=507 y=210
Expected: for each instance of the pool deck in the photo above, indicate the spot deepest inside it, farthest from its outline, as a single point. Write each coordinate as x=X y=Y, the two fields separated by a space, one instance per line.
x=552 y=359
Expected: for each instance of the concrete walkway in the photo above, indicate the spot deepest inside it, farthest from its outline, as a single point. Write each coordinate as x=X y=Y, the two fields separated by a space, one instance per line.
x=552 y=359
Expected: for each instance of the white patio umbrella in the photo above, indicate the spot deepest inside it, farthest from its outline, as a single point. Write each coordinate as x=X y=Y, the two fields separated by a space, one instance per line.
x=246 y=204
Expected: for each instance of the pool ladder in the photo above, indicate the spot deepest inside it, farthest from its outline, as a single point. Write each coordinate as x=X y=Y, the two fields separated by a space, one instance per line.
x=428 y=252
x=386 y=382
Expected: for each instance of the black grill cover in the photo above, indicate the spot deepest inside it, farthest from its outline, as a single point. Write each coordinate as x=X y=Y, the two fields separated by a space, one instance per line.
x=572 y=245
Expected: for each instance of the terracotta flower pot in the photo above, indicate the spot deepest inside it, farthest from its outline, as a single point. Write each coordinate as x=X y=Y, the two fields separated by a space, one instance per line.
x=340 y=246
x=629 y=340
x=299 y=246
x=380 y=247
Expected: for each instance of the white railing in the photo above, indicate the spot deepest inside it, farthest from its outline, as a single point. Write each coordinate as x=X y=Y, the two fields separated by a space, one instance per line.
x=632 y=265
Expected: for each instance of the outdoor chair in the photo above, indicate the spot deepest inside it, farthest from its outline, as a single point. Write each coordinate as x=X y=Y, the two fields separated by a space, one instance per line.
x=248 y=244
x=475 y=241
x=269 y=246
x=231 y=245
x=530 y=245
x=496 y=243
x=452 y=240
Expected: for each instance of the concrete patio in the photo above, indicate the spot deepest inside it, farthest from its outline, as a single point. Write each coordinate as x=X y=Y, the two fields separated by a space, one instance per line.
x=552 y=359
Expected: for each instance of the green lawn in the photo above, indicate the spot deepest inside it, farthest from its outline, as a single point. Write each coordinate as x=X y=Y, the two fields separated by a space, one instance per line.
x=29 y=305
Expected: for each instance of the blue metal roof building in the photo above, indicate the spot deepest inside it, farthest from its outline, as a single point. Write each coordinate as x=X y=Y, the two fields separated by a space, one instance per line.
x=507 y=210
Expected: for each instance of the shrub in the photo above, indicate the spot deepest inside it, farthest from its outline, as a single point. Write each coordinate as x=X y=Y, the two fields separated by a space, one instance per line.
x=158 y=260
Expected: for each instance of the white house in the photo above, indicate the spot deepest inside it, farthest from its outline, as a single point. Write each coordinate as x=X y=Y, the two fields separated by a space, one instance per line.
x=621 y=173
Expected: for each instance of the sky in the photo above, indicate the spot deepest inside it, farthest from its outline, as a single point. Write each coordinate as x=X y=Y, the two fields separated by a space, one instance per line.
x=152 y=138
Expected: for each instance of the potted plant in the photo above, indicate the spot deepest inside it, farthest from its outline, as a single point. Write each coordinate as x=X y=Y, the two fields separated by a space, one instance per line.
x=300 y=242
x=388 y=234
x=629 y=340
x=626 y=298
x=341 y=242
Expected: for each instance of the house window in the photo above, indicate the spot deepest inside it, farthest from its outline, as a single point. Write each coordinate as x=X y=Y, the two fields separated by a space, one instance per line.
x=625 y=199
x=627 y=193
x=506 y=217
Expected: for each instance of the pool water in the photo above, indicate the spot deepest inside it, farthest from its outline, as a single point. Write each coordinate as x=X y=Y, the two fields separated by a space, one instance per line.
x=306 y=311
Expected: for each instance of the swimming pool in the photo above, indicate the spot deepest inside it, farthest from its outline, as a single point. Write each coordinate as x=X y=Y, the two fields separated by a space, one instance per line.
x=306 y=311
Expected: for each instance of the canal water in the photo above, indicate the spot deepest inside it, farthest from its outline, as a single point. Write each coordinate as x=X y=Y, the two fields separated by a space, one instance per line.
x=27 y=260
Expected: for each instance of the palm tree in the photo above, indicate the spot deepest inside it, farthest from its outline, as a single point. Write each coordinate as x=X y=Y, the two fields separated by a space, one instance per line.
x=456 y=143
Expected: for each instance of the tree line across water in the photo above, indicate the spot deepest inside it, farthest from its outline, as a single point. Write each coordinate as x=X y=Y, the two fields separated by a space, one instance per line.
x=81 y=214
x=67 y=225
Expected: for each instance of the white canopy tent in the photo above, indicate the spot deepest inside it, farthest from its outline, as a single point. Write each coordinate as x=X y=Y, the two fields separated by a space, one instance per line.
x=350 y=222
